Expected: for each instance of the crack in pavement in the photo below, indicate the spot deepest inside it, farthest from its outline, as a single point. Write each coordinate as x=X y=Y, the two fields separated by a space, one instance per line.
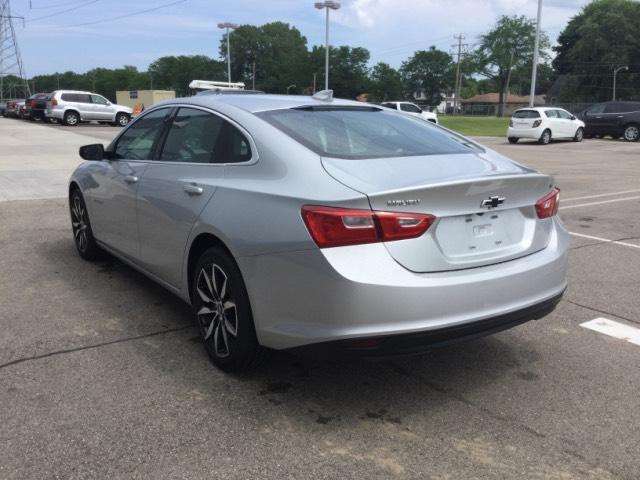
x=560 y=443
x=89 y=347
x=593 y=309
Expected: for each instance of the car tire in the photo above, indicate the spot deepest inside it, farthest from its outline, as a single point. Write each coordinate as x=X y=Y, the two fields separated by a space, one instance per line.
x=122 y=119
x=71 y=119
x=513 y=140
x=579 y=136
x=545 y=138
x=223 y=313
x=632 y=133
x=83 y=237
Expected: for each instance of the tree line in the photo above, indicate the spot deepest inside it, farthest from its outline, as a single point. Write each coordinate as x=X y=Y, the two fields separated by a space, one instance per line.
x=276 y=58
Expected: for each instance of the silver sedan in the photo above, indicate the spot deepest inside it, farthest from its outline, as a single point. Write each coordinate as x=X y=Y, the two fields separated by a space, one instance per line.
x=289 y=221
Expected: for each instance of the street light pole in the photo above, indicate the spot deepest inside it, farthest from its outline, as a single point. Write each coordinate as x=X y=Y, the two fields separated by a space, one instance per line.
x=228 y=26
x=615 y=75
x=327 y=5
x=536 y=57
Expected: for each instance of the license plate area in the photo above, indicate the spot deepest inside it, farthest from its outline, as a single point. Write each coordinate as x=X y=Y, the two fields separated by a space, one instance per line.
x=480 y=234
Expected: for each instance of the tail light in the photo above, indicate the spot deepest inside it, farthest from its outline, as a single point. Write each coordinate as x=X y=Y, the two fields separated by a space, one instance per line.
x=337 y=227
x=537 y=123
x=54 y=102
x=548 y=205
x=511 y=123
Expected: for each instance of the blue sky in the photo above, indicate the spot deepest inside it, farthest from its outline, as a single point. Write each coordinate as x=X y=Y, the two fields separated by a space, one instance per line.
x=390 y=29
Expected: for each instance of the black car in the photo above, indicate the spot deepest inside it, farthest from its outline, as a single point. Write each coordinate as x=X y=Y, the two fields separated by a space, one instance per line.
x=617 y=119
x=36 y=106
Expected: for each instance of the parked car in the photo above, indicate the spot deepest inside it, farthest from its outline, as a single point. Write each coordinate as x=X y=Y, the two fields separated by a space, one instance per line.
x=617 y=119
x=544 y=124
x=36 y=106
x=21 y=108
x=290 y=222
x=72 y=107
x=12 y=109
x=412 y=109
x=3 y=108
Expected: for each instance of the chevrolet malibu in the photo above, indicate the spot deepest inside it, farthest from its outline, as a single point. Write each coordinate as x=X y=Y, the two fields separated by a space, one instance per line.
x=293 y=222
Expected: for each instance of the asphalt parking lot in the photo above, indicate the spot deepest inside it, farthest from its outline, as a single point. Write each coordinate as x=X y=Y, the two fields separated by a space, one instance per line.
x=102 y=374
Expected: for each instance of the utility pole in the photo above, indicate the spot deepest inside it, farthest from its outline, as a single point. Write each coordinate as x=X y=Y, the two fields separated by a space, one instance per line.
x=615 y=76
x=10 y=60
x=254 y=75
x=459 y=45
x=536 y=57
x=327 y=5
x=315 y=76
x=228 y=27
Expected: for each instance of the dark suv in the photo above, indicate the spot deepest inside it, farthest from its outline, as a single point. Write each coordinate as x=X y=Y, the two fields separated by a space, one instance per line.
x=36 y=106
x=617 y=119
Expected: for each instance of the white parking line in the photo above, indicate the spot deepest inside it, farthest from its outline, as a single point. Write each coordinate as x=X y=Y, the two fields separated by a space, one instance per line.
x=613 y=194
x=614 y=329
x=600 y=203
x=605 y=240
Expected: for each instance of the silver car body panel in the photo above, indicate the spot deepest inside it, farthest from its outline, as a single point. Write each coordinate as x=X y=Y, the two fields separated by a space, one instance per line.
x=301 y=294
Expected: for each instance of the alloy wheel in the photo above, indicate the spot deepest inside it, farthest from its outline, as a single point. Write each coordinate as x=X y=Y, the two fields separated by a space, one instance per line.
x=72 y=119
x=218 y=315
x=632 y=134
x=123 y=120
x=79 y=223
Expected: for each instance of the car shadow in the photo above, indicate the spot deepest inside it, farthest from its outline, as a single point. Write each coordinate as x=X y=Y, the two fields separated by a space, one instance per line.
x=294 y=386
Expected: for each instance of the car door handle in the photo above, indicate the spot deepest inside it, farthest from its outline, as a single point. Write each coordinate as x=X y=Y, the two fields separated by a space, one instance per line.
x=193 y=189
x=131 y=179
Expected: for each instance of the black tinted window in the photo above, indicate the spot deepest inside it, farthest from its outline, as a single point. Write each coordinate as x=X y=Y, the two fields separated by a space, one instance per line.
x=626 y=107
x=238 y=148
x=407 y=107
x=137 y=141
x=596 y=109
x=362 y=132
x=194 y=137
x=526 y=114
x=69 y=97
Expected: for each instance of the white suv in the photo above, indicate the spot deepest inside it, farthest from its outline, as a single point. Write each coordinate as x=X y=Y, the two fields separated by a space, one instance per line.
x=412 y=109
x=72 y=107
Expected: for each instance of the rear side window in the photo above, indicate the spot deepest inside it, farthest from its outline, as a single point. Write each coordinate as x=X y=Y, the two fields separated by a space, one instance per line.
x=193 y=137
x=407 y=107
x=564 y=115
x=526 y=114
x=196 y=136
x=627 y=107
x=138 y=141
x=362 y=132
x=76 y=97
x=551 y=113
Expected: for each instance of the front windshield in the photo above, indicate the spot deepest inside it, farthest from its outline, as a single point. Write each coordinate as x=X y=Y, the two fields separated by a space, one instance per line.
x=363 y=132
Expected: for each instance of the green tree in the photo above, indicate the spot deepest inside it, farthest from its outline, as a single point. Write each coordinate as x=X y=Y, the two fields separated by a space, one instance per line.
x=508 y=46
x=430 y=72
x=603 y=36
x=279 y=52
x=349 y=73
x=385 y=83
x=175 y=73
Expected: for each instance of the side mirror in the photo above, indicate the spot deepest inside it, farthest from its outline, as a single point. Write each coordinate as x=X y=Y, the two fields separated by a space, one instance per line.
x=92 y=152
x=573 y=117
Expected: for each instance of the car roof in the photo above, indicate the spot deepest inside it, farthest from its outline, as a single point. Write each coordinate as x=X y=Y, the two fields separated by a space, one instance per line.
x=261 y=103
x=72 y=91
x=541 y=109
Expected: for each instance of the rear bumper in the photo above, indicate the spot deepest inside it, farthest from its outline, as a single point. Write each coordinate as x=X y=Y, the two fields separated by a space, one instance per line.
x=54 y=113
x=533 y=133
x=318 y=296
x=415 y=343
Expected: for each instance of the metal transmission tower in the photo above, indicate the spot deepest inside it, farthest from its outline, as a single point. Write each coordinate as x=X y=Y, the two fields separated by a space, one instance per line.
x=10 y=61
x=459 y=46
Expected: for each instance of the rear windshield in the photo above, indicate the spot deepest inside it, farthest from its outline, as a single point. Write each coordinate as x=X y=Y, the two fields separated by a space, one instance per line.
x=526 y=114
x=363 y=132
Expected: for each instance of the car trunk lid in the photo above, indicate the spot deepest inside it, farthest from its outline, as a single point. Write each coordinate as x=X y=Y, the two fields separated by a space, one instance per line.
x=484 y=204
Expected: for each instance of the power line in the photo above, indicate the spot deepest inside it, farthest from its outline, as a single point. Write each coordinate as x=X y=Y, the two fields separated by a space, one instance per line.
x=62 y=11
x=55 y=5
x=119 y=17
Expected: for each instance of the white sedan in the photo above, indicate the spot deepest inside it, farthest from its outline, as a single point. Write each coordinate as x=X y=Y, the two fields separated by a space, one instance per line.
x=412 y=109
x=544 y=124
